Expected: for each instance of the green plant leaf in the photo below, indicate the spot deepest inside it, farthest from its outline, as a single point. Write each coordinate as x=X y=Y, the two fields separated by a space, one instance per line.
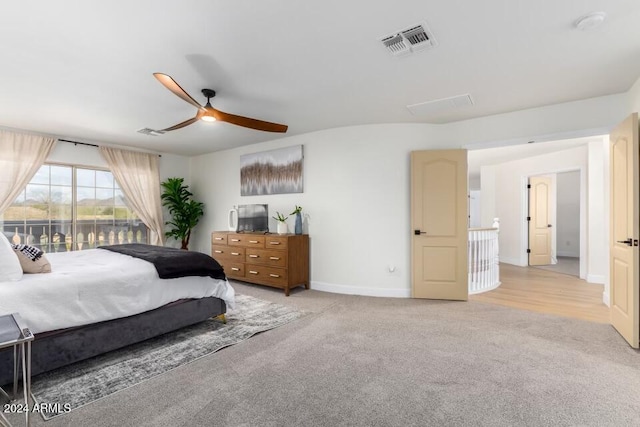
x=280 y=217
x=185 y=212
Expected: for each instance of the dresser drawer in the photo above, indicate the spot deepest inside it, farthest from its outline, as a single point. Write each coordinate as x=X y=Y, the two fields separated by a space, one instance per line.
x=274 y=258
x=219 y=238
x=233 y=269
x=246 y=240
x=219 y=252
x=277 y=276
x=276 y=242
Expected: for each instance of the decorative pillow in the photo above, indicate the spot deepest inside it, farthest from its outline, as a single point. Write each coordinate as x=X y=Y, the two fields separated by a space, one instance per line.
x=10 y=269
x=32 y=259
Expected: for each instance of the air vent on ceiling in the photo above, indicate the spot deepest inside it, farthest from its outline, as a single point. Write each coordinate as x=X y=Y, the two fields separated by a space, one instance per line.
x=152 y=132
x=410 y=40
x=441 y=105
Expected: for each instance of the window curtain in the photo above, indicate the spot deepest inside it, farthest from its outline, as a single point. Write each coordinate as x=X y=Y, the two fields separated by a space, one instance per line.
x=21 y=155
x=138 y=176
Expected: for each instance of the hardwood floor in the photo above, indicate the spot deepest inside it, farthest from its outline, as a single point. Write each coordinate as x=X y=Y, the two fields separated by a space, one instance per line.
x=547 y=292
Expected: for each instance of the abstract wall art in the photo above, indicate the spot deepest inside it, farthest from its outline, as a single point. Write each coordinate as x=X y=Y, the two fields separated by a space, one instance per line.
x=271 y=172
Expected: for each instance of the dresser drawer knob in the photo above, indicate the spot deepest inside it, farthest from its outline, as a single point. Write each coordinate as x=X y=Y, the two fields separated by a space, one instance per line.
x=218 y=238
x=253 y=241
x=235 y=269
x=274 y=275
x=218 y=252
x=274 y=243
x=254 y=256
x=274 y=258
x=253 y=272
x=235 y=253
x=235 y=240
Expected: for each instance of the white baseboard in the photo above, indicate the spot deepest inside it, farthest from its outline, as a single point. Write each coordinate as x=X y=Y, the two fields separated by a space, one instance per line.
x=359 y=290
x=512 y=261
x=568 y=254
x=595 y=278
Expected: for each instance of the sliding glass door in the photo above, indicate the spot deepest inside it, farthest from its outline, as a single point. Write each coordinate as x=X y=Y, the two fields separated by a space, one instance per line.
x=67 y=208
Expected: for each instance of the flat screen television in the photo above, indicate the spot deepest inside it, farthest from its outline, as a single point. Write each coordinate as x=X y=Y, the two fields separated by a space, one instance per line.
x=253 y=218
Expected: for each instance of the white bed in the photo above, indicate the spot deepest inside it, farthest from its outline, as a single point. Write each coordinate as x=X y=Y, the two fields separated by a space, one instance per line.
x=95 y=285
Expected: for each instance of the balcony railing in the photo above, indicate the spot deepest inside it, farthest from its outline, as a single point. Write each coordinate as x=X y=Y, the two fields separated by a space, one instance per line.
x=484 y=272
x=57 y=235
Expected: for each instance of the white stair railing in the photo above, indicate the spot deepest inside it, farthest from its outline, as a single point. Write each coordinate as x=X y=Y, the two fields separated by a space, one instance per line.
x=484 y=272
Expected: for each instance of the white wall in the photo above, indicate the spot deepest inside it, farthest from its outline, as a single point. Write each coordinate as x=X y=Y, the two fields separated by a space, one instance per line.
x=598 y=214
x=356 y=196
x=633 y=96
x=488 y=195
x=503 y=196
x=510 y=197
x=568 y=214
x=594 y=116
x=356 y=186
x=474 y=209
x=474 y=182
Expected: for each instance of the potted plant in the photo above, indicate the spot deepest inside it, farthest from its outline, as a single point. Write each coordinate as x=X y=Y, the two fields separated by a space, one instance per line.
x=185 y=212
x=298 y=213
x=282 y=224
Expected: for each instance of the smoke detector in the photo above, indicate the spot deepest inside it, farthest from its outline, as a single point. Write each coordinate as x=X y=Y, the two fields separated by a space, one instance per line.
x=590 y=21
x=410 y=40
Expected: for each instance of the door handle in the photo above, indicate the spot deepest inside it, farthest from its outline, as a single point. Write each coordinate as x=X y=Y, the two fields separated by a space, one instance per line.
x=549 y=225
x=418 y=232
x=627 y=242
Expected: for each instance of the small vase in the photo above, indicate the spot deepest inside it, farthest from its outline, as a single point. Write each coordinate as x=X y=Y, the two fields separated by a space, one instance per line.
x=282 y=227
x=298 y=223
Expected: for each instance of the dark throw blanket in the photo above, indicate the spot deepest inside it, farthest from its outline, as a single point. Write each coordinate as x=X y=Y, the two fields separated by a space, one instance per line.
x=172 y=263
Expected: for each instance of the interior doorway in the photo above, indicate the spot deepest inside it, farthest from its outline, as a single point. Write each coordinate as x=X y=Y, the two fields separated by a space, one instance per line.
x=562 y=213
x=578 y=274
x=567 y=242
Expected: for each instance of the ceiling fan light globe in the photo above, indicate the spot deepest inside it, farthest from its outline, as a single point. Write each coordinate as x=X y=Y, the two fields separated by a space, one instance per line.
x=208 y=118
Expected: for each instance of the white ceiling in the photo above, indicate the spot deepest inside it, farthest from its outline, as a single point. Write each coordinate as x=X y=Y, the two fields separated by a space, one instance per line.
x=83 y=69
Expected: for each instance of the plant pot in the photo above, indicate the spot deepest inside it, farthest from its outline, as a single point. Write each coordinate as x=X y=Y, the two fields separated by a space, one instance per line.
x=282 y=228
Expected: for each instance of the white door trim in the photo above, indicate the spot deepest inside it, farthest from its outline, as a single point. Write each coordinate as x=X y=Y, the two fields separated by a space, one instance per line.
x=524 y=208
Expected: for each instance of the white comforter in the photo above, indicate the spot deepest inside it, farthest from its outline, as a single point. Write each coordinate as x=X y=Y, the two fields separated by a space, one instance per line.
x=97 y=285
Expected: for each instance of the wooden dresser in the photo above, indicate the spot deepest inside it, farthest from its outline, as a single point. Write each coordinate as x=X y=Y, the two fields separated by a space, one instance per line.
x=278 y=260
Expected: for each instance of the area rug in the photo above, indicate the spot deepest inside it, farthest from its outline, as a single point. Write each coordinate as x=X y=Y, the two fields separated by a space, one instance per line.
x=76 y=385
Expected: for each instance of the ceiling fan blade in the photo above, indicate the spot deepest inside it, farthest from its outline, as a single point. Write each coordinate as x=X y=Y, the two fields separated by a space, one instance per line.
x=248 y=123
x=174 y=87
x=185 y=123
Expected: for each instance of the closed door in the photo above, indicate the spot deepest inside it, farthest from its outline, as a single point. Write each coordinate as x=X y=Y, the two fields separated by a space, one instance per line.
x=623 y=244
x=539 y=222
x=439 y=224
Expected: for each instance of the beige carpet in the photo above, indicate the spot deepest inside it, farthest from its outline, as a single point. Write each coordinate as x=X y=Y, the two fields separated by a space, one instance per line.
x=85 y=382
x=361 y=361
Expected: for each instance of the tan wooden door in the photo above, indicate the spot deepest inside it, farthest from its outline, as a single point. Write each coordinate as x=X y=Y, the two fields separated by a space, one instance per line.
x=625 y=219
x=539 y=222
x=439 y=224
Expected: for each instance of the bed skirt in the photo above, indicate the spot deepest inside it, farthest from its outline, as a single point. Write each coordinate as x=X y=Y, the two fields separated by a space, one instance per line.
x=60 y=348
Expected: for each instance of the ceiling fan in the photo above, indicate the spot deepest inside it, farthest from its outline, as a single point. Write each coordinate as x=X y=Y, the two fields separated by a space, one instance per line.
x=210 y=114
